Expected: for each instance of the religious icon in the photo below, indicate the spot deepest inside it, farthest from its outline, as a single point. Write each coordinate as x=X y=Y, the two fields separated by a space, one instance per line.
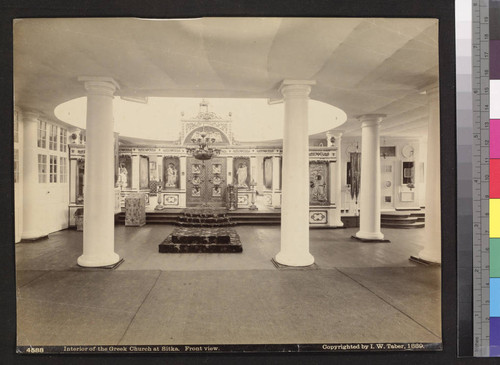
x=217 y=180
x=195 y=169
x=216 y=191
x=171 y=176
x=242 y=174
x=216 y=168
x=195 y=191
x=122 y=176
x=196 y=180
x=318 y=186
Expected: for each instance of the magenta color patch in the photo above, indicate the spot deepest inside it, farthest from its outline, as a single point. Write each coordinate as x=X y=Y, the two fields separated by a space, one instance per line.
x=495 y=138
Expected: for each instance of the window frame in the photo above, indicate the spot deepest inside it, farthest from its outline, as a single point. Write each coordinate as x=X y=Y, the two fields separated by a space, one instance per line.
x=53 y=137
x=42 y=134
x=63 y=137
x=63 y=170
x=42 y=168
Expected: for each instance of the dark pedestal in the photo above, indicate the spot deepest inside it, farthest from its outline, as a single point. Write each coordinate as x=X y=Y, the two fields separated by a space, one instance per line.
x=202 y=230
x=135 y=210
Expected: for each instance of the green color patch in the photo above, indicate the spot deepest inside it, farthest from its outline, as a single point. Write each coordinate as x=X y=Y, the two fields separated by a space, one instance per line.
x=495 y=257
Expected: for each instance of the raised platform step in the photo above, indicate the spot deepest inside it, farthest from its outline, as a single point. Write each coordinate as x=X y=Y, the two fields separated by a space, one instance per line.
x=204 y=230
x=403 y=226
x=405 y=220
x=399 y=219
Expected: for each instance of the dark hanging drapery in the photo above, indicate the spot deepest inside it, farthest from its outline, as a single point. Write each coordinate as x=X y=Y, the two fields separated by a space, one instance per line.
x=356 y=174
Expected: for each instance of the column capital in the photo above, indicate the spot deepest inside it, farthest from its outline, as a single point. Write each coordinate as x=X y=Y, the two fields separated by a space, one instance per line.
x=370 y=119
x=30 y=116
x=296 y=87
x=336 y=135
x=99 y=85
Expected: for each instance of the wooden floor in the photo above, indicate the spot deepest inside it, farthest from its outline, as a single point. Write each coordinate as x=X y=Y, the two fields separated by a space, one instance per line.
x=357 y=292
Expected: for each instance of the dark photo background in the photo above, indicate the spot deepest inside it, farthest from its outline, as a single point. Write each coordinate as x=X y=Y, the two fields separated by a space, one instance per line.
x=441 y=9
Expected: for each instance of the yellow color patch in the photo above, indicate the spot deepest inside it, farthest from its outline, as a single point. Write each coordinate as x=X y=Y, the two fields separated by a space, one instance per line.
x=495 y=218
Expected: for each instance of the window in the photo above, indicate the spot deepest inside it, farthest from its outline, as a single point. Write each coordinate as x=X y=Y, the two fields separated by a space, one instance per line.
x=53 y=169
x=53 y=138
x=63 y=138
x=42 y=168
x=42 y=134
x=16 y=127
x=64 y=170
x=16 y=165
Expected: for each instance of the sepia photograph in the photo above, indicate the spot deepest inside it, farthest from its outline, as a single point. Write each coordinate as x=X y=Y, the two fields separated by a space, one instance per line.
x=227 y=185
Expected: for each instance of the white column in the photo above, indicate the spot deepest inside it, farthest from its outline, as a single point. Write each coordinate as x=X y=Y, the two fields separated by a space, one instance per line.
x=183 y=173
x=98 y=224
x=336 y=187
x=432 y=241
x=276 y=198
x=295 y=187
x=135 y=172
x=369 y=200
x=33 y=220
x=73 y=168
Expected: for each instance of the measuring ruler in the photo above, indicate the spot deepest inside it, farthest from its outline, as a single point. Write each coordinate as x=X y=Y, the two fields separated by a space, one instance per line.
x=480 y=176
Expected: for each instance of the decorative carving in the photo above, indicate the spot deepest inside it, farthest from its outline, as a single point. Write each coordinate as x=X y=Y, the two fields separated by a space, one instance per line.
x=216 y=191
x=196 y=191
x=135 y=210
x=243 y=199
x=318 y=217
x=171 y=199
x=205 y=186
x=209 y=120
x=318 y=180
x=219 y=136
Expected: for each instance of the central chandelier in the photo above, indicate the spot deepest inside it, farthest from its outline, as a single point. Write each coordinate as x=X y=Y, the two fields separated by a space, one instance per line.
x=204 y=151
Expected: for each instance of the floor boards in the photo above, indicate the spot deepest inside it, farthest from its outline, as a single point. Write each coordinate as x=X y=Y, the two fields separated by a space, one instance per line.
x=360 y=292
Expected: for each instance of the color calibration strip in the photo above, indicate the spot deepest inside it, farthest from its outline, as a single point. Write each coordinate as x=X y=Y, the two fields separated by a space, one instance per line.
x=463 y=47
x=494 y=107
x=480 y=176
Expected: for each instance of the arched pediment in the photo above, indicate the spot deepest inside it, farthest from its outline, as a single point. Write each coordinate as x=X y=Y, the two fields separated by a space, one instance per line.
x=220 y=137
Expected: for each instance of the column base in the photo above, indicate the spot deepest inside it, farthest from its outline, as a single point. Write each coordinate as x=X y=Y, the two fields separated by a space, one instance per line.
x=305 y=259
x=430 y=256
x=421 y=261
x=279 y=266
x=33 y=236
x=370 y=237
x=103 y=261
x=336 y=224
